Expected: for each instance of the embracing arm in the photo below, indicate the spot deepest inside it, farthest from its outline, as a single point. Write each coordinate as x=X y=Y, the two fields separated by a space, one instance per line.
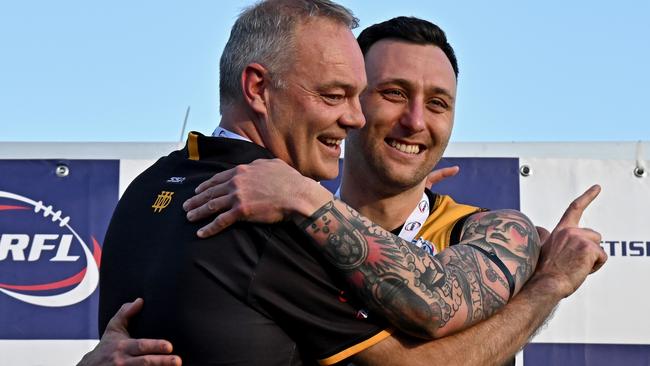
x=568 y=256
x=427 y=296
x=421 y=295
x=491 y=342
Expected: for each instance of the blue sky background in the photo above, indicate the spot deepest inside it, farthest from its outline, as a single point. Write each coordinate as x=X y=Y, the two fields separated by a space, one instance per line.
x=127 y=70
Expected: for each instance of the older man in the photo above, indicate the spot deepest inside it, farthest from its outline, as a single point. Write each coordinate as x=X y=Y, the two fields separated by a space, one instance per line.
x=274 y=111
x=292 y=75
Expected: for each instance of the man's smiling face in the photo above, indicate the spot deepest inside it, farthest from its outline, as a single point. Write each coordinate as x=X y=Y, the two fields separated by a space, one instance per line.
x=311 y=114
x=409 y=109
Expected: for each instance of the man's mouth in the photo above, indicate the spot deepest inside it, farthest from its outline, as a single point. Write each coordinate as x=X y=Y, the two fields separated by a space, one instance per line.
x=404 y=147
x=330 y=141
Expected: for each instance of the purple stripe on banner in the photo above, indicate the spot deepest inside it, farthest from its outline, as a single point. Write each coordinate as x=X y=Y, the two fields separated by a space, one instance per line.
x=549 y=354
x=485 y=182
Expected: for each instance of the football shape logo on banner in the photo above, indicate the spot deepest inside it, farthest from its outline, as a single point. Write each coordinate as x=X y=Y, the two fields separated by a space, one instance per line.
x=21 y=247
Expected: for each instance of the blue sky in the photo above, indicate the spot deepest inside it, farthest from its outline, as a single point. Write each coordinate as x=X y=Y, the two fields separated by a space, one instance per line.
x=127 y=70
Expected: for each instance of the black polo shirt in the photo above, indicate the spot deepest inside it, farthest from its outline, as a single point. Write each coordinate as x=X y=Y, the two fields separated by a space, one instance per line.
x=251 y=295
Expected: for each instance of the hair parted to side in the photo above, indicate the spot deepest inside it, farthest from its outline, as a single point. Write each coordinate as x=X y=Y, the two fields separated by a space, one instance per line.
x=409 y=29
x=264 y=33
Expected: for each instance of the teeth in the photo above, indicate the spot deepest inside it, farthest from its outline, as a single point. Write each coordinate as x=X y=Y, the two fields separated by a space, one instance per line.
x=409 y=149
x=331 y=141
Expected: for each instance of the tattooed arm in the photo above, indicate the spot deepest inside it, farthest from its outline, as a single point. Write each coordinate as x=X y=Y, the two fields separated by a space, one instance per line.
x=568 y=256
x=422 y=295
x=426 y=296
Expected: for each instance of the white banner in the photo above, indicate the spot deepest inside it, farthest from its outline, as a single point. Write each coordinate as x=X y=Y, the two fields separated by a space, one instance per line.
x=612 y=306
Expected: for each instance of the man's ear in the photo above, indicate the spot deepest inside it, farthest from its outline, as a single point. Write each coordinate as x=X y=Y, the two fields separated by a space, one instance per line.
x=255 y=82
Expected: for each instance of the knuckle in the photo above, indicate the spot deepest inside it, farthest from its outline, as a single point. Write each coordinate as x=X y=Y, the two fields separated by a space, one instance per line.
x=211 y=205
x=574 y=232
x=208 y=195
x=237 y=180
x=576 y=205
x=121 y=346
x=142 y=347
x=240 y=169
x=244 y=210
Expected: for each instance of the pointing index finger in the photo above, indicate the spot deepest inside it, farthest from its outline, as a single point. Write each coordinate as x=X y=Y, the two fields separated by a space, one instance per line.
x=573 y=213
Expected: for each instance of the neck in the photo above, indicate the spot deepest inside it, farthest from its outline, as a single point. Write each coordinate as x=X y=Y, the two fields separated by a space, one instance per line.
x=386 y=208
x=240 y=123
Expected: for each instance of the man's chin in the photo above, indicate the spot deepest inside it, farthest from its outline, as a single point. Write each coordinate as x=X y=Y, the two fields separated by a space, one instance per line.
x=326 y=172
x=403 y=180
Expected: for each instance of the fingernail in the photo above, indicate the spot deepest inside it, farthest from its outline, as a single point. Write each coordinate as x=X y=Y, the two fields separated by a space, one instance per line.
x=185 y=205
x=200 y=233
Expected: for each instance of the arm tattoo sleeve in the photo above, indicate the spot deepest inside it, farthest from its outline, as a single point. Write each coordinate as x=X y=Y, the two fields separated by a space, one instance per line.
x=422 y=295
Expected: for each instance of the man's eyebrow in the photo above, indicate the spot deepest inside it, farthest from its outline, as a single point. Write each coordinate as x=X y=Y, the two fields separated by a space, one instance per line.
x=407 y=85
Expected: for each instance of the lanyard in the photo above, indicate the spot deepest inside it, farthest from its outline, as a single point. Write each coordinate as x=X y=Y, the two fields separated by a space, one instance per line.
x=415 y=220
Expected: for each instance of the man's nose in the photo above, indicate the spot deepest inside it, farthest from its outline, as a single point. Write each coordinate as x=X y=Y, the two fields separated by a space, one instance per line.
x=413 y=117
x=353 y=116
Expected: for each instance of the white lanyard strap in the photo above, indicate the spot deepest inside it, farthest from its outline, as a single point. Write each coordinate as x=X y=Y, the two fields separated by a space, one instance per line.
x=415 y=220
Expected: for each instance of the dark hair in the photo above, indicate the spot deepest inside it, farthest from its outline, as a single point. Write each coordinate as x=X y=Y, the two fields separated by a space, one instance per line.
x=409 y=29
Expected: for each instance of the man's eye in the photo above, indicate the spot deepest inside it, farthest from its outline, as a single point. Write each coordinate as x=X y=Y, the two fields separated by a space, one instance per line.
x=438 y=105
x=333 y=97
x=393 y=94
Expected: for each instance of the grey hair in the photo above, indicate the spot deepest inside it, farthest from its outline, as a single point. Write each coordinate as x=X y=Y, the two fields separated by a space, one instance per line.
x=264 y=33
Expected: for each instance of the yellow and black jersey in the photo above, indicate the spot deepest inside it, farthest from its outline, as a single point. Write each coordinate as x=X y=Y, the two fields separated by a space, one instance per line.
x=445 y=222
x=251 y=295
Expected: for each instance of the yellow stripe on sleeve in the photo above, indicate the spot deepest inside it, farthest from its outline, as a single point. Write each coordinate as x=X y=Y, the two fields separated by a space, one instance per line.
x=353 y=350
x=193 y=146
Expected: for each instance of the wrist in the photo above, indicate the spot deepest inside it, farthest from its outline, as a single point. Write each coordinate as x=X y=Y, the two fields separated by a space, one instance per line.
x=309 y=197
x=547 y=285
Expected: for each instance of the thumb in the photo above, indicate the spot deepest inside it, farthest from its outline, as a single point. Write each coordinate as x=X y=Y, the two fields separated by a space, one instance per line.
x=121 y=319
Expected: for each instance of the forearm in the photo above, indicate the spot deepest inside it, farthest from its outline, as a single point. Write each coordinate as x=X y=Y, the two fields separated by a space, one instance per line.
x=421 y=295
x=497 y=339
x=491 y=342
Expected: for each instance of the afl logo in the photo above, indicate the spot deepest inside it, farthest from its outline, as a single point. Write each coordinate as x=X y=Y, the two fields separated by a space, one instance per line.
x=423 y=206
x=411 y=226
x=18 y=248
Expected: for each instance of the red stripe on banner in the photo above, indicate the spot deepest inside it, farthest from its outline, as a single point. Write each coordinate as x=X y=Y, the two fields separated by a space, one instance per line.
x=97 y=252
x=72 y=280
x=7 y=207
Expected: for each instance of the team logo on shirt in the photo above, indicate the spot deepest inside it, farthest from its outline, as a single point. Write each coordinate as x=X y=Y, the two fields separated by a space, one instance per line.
x=162 y=201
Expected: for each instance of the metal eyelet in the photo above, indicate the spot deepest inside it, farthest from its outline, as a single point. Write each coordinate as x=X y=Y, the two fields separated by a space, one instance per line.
x=62 y=171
